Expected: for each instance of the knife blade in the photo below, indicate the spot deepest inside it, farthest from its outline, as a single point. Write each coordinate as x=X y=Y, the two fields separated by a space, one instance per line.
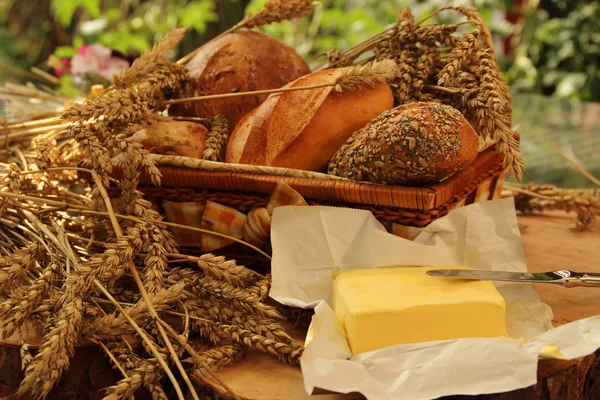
x=561 y=277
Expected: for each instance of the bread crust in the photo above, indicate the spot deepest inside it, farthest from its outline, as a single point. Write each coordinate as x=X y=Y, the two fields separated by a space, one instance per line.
x=303 y=129
x=414 y=144
x=238 y=138
x=237 y=62
x=176 y=138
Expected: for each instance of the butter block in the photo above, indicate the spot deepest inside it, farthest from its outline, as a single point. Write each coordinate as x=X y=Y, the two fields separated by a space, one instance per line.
x=384 y=307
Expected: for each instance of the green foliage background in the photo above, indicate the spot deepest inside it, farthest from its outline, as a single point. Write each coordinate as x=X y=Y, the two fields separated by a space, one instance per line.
x=558 y=43
x=559 y=50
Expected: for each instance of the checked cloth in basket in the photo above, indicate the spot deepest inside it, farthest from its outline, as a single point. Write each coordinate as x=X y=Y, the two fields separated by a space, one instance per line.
x=253 y=228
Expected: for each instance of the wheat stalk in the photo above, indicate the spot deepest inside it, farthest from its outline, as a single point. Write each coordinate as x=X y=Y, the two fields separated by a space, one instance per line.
x=35 y=74
x=59 y=300
x=87 y=137
x=123 y=106
x=130 y=175
x=111 y=327
x=43 y=147
x=458 y=59
x=25 y=354
x=261 y=287
x=475 y=18
x=218 y=357
x=14 y=267
x=354 y=78
x=225 y=270
x=436 y=64
x=140 y=286
x=202 y=309
x=77 y=209
x=277 y=11
x=273 y=11
x=538 y=198
x=139 y=372
x=147 y=62
x=216 y=143
x=58 y=345
x=15 y=310
x=122 y=353
x=486 y=143
x=285 y=352
x=146 y=373
x=155 y=261
x=361 y=76
x=57 y=348
x=10 y=181
x=427 y=65
x=239 y=298
x=206 y=328
x=143 y=208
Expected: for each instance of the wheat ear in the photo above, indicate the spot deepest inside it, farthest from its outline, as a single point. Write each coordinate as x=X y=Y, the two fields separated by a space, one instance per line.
x=277 y=11
x=148 y=61
x=273 y=11
x=367 y=75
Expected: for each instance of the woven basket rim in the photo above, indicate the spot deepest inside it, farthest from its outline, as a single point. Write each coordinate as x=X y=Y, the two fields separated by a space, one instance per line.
x=335 y=190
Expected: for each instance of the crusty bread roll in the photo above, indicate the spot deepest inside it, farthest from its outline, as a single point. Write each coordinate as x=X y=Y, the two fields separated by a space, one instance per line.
x=177 y=138
x=303 y=129
x=237 y=62
x=414 y=144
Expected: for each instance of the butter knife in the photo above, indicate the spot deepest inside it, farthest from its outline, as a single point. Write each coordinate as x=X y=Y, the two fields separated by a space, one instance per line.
x=561 y=277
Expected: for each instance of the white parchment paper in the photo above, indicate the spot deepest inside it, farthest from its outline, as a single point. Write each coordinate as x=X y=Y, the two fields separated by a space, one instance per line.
x=309 y=243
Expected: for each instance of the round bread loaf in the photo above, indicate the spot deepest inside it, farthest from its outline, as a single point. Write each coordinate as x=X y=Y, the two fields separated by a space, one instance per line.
x=237 y=62
x=414 y=144
x=177 y=138
x=303 y=129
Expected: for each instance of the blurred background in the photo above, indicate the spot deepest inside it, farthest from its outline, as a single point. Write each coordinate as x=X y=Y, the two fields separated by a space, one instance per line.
x=549 y=51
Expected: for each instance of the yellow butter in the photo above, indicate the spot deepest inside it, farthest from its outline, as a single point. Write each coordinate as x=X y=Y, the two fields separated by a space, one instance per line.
x=385 y=307
x=552 y=352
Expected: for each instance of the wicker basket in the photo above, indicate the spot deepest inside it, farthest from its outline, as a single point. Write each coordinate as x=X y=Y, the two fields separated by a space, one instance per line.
x=404 y=211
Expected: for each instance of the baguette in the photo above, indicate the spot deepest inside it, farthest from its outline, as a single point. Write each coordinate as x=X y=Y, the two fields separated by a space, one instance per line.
x=303 y=129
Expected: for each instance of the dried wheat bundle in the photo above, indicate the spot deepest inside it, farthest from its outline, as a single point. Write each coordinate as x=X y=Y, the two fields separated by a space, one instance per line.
x=74 y=290
x=436 y=63
x=538 y=198
x=86 y=269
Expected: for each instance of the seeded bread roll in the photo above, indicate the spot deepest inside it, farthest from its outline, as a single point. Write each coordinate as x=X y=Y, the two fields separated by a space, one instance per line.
x=303 y=129
x=414 y=144
x=176 y=138
x=237 y=62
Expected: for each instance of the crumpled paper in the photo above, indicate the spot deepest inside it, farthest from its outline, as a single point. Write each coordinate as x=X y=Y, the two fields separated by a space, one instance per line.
x=310 y=243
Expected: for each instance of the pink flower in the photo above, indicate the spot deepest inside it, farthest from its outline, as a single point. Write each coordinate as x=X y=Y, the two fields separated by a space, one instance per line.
x=58 y=72
x=97 y=59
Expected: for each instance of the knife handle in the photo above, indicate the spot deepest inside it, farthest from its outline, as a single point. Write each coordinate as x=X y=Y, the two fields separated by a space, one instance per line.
x=587 y=279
